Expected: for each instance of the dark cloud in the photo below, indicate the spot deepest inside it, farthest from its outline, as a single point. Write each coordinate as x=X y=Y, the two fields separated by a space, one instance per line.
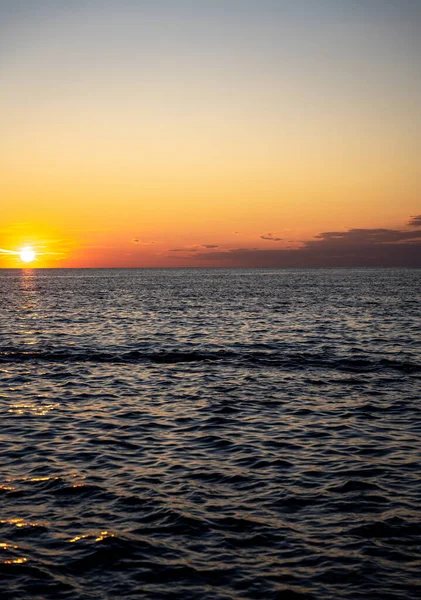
x=415 y=221
x=184 y=249
x=270 y=237
x=194 y=248
x=366 y=236
x=136 y=241
x=353 y=248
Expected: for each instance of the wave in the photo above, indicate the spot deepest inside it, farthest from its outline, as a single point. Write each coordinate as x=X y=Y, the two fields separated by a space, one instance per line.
x=247 y=356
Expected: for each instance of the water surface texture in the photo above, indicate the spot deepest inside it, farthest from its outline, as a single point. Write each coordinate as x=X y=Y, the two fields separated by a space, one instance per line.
x=210 y=434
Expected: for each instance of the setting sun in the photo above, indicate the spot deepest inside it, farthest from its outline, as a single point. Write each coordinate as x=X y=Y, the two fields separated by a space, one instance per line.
x=27 y=254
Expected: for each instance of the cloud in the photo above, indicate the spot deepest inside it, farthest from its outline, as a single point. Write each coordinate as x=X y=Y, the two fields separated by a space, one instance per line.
x=366 y=236
x=194 y=249
x=270 y=237
x=138 y=240
x=352 y=248
x=415 y=221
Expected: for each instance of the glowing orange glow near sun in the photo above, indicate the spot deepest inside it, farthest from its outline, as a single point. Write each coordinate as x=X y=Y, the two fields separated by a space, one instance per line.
x=27 y=254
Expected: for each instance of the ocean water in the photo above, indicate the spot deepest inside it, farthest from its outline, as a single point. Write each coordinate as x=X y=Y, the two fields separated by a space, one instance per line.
x=210 y=434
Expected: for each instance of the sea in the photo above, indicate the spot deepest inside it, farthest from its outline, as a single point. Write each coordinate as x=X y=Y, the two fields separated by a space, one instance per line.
x=210 y=434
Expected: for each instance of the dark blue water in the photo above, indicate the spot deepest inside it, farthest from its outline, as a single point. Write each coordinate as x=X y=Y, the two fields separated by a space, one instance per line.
x=210 y=434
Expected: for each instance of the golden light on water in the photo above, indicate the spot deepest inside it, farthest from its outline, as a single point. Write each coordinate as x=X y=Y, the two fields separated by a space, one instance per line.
x=15 y=561
x=27 y=254
x=102 y=536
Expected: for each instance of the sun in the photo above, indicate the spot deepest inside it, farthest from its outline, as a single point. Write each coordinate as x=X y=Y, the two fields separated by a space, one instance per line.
x=27 y=254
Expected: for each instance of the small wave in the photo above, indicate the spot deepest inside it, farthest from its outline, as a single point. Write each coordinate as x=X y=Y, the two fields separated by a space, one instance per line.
x=392 y=528
x=355 y=485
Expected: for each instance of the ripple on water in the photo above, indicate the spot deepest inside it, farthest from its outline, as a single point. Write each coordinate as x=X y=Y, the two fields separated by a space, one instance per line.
x=210 y=434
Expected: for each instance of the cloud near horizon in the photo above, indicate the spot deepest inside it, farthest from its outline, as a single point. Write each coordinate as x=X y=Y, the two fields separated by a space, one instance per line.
x=415 y=221
x=352 y=248
x=138 y=240
x=271 y=237
x=195 y=248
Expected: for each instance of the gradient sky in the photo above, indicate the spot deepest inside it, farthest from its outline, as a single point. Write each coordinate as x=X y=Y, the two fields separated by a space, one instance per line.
x=210 y=132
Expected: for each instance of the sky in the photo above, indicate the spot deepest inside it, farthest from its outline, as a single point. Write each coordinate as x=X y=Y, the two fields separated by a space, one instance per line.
x=160 y=133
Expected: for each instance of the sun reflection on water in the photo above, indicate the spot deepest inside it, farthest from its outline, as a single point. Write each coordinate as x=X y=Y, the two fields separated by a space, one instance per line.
x=78 y=537
x=18 y=523
x=15 y=561
x=27 y=284
x=39 y=411
x=99 y=537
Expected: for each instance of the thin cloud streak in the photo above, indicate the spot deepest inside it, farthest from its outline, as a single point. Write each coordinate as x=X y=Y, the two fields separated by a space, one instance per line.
x=4 y=251
x=270 y=237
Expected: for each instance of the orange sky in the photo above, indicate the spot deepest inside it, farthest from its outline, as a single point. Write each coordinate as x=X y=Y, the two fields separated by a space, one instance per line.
x=145 y=134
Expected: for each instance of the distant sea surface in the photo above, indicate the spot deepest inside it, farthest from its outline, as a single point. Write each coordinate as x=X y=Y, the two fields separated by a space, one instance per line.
x=210 y=434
